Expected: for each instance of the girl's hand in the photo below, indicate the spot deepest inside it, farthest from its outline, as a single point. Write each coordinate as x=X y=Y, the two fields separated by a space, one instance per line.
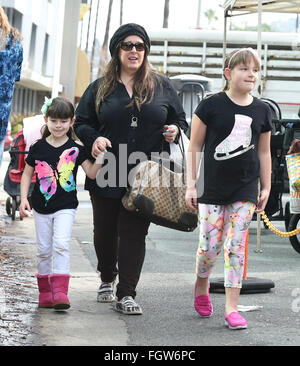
x=100 y=145
x=24 y=208
x=170 y=132
x=262 y=201
x=191 y=198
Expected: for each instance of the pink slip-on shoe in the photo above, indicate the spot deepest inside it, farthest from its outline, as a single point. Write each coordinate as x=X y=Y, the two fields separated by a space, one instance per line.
x=235 y=321
x=203 y=305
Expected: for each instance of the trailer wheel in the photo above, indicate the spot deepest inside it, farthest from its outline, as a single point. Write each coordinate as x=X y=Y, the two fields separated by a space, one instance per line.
x=294 y=240
x=8 y=206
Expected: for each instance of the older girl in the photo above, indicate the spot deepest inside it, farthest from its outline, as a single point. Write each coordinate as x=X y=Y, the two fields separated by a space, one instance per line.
x=235 y=128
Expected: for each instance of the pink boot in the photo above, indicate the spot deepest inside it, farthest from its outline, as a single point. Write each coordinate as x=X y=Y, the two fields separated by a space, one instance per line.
x=45 y=294
x=60 y=286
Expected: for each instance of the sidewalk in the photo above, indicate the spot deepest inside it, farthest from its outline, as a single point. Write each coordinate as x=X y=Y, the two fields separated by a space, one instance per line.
x=86 y=323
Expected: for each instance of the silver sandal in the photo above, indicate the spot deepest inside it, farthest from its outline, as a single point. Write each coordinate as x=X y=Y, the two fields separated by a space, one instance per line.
x=106 y=292
x=128 y=306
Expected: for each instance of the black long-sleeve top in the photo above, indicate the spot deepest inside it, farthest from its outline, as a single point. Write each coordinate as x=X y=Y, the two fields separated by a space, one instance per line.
x=134 y=130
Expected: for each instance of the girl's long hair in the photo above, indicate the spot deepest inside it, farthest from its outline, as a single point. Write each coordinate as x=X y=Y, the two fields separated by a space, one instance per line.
x=242 y=57
x=7 y=29
x=145 y=81
x=60 y=108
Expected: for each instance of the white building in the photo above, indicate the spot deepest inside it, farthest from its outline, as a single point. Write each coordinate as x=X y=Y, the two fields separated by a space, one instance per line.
x=49 y=29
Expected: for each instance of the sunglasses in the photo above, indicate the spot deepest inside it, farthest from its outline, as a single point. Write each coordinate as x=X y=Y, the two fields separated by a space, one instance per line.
x=128 y=46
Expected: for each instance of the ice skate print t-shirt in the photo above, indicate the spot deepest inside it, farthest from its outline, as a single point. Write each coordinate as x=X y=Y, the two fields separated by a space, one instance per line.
x=55 y=170
x=231 y=163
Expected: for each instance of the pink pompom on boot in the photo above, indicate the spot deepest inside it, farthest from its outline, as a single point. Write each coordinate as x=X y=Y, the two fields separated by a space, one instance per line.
x=60 y=287
x=45 y=293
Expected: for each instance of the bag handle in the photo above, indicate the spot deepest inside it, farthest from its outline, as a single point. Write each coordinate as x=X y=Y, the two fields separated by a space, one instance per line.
x=180 y=143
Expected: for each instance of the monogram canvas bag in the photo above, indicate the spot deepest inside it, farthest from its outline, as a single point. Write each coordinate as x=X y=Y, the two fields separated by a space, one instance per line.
x=157 y=192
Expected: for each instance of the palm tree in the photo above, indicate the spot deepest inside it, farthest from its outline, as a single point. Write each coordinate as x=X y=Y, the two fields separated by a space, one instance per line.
x=211 y=15
x=94 y=42
x=104 y=49
x=166 y=14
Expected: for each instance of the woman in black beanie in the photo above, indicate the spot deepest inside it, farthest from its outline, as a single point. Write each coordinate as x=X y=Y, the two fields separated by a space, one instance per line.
x=131 y=106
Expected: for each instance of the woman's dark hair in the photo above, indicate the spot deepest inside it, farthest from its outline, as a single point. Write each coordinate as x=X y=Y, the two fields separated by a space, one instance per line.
x=60 y=108
x=144 y=81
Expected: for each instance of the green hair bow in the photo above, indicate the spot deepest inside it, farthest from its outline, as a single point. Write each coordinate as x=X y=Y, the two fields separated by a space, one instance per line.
x=46 y=105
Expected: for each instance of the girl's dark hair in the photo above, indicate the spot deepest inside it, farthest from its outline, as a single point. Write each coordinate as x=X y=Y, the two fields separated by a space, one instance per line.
x=60 y=108
x=144 y=82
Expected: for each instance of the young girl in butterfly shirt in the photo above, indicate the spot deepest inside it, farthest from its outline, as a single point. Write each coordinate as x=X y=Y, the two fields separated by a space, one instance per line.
x=54 y=159
x=235 y=129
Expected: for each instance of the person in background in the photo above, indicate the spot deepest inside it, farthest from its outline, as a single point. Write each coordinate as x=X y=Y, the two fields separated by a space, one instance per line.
x=11 y=58
x=54 y=159
x=235 y=128
x=135 y=106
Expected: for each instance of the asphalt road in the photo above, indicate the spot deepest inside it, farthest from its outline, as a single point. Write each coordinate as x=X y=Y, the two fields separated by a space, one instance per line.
x=166 y=287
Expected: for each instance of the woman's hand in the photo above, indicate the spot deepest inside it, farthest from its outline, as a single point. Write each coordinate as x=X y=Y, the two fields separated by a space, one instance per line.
x=99 y=146
x=170 y=132
x=191 y=198
x=262 y=201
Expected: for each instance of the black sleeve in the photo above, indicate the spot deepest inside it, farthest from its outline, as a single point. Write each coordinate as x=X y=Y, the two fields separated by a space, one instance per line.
x=30 y=159
x=202 y=110
x=267 y=126
x=87 y=126
x=83 y=156
x=176 y=114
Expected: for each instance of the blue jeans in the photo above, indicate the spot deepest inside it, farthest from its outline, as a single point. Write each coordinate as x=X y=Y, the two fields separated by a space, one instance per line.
x=1 y=150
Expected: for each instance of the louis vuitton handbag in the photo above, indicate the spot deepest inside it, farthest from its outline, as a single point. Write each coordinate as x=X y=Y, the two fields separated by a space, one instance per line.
x=157 y=192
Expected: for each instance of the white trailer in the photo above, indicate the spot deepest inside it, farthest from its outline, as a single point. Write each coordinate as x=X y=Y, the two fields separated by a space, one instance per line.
x=200 y=52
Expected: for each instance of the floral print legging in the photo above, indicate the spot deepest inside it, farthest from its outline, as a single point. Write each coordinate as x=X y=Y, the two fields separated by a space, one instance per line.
x=229 y=225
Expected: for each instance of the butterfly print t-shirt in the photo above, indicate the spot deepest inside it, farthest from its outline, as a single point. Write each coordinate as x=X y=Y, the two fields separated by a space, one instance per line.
x=55 y=169
x=231 y=162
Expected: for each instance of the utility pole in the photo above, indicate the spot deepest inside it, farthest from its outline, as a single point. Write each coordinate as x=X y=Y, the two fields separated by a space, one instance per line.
x=121 y=12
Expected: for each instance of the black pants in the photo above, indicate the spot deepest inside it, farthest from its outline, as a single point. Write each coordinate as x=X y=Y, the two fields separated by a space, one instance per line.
x=119 y=240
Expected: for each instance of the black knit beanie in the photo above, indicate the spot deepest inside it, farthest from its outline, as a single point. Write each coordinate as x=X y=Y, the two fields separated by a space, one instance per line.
x=126 y=30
